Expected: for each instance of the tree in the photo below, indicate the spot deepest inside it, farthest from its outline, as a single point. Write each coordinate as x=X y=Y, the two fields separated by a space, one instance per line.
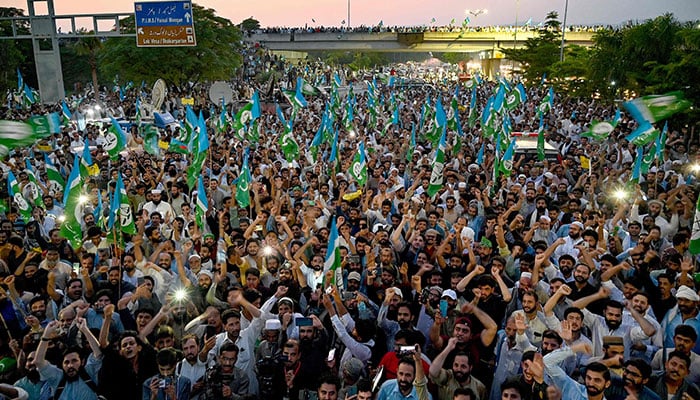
x=216 y=56
x=15 y=53
x=249 y=24
x=541 y=52
x=89 y=48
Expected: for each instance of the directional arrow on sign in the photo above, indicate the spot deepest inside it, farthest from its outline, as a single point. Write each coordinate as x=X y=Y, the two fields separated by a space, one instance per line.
x=140 y=31
x=187 y=17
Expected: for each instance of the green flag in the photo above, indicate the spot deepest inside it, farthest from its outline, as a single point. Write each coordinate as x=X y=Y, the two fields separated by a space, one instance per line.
x=53 y=176
x=694 y=248
x=358 y=169
x=45 y=125
x=333 y=259
x=599 y=130
x=25 y=210
x=655 y=108
x=15 y=134
x=202 y=205
x=540 y=140
x=243 y=184
x=649 y=158
x=33 y=185
x=242 y=119
x=436 y=176
x=506 y=166
x=71 y=228
x=115 y=140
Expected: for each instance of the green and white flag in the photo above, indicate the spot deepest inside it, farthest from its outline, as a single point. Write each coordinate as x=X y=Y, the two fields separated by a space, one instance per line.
x=655 y=108
x=45 y=125
x=599 y=130
x=243 y=118
x=54 y=177
x=695 y=236
x=358 y=169
x=33 y=185
x=436 y=176
x=15 y=134
x=120 y=208
x=71 y=228
x=288 y=144
x=506 y=166
x=25 y=210
x=202 y=205
x=540 y=140
x=115 y=140
x=516 y=97
x=243 y=184
x=333 y=258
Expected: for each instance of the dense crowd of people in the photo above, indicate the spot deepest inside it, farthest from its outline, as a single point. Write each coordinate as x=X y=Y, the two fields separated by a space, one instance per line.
x=556 y=279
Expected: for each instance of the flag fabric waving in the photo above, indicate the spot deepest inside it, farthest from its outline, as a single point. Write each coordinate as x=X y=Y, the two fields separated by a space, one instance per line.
x=243 y=184
x=202 y=205
x=436 y=176
x=358 y=168
x=655 y=108
x=115 y=140
x=71 y=228
x=25 y=210
x=333 y=257
x=694 y=247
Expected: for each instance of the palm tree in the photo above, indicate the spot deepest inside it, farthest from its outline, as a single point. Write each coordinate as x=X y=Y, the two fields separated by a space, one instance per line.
x=89 y=46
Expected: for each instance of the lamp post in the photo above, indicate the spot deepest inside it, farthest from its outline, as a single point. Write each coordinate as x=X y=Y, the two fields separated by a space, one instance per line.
x=563 y=31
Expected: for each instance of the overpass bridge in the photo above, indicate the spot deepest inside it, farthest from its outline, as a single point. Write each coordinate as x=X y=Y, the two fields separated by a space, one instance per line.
x=458 y=42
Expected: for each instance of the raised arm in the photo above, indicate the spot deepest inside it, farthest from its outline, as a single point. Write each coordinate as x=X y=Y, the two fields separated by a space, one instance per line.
x=92 y=341
x=490 y=327
x=49 y=333
x=564 y=290
x=603 y=293
x=478 y=270
x=439 y=361
x=505 y=291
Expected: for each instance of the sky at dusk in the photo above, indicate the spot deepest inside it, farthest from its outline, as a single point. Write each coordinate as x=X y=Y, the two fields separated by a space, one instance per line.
x=409 y=12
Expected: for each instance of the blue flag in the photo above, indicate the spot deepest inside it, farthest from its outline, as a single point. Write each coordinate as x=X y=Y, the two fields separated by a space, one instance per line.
x=480 y=155
x=255 y=111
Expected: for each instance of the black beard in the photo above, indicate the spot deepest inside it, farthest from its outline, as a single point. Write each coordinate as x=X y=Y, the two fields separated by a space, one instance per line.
x=613 y=324
x=593 y=391
x=33 y=375
x=71 y=379
x=461 y=377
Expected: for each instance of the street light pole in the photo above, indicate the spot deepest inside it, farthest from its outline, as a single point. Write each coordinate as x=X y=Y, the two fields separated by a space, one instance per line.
x=563 y=32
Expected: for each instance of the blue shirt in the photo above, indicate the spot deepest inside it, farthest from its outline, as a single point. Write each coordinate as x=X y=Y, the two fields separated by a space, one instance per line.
x=77 y=389
x=566 y=384
x=671 y=320
x=182 y=388
x=390 y=391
